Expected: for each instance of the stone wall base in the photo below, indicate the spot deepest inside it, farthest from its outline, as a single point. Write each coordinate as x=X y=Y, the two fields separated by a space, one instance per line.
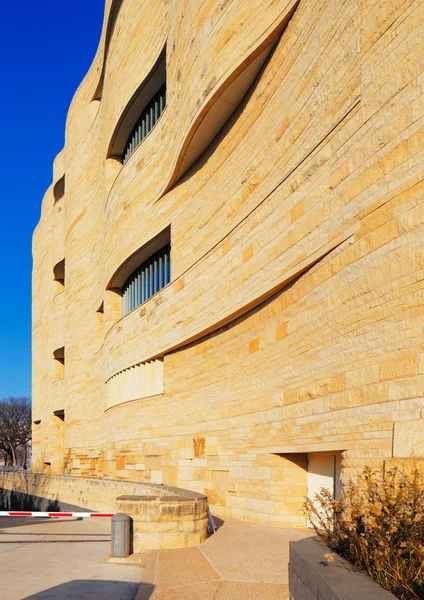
x=162 y=516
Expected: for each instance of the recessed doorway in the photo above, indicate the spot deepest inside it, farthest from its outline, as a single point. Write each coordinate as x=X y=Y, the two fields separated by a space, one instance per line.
x=324 y=471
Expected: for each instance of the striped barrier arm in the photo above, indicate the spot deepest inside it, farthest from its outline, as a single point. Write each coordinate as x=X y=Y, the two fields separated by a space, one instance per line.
x=79 y=515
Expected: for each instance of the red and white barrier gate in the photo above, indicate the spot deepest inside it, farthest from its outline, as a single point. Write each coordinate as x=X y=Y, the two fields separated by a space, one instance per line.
x=79 y=515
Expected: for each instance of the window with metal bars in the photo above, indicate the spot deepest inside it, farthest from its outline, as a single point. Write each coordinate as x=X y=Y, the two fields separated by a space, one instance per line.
x=150 y=277
x=147 y=120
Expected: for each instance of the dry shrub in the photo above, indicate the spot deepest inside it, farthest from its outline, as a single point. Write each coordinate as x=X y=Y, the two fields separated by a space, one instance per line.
x=378 y=526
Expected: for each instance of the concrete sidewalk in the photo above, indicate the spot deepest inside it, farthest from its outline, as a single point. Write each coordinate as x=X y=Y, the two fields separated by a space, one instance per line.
x=241 y=561
x=61 y=559
x=65 y=559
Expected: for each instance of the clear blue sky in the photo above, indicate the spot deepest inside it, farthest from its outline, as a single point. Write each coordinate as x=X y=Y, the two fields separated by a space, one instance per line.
x=46 y=48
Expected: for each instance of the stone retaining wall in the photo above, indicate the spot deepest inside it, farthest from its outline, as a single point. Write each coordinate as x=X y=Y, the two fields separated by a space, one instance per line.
x=163 y=516
x=312 y=577
x=171 y=521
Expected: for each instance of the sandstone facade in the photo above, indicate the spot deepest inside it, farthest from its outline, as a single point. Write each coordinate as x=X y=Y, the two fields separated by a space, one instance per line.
x=287 y=173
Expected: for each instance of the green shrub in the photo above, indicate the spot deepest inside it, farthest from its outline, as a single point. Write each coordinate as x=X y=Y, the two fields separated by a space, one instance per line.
x=378 y=526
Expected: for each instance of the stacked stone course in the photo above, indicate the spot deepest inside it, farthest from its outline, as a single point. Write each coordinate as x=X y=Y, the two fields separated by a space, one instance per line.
x=294 y=319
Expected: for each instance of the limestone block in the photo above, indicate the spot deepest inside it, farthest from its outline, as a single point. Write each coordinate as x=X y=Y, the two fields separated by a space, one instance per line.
x=408 y=439
x=399 y=367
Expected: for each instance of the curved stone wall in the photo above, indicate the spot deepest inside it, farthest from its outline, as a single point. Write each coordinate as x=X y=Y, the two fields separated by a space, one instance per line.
x=293 y=320
x=162 y=516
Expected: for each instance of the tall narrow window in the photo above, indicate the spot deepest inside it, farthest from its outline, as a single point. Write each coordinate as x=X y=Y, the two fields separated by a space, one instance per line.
x=59 y=272
x=150 y=277
x=147 y=120
x=59 y=189
x=59 y=360
x=59 y=277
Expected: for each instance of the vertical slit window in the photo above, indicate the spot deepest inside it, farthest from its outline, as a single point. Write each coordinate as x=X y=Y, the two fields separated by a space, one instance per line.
x=147 y=120
x=146 y=281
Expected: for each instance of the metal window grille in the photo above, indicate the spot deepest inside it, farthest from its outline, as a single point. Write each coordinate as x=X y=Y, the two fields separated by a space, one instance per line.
x=150 y=277
x=146 y=122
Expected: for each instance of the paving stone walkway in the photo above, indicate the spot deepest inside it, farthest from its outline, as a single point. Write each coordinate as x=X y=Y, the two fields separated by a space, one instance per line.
x=61 y=559
x=241 y=561
x=66 y=560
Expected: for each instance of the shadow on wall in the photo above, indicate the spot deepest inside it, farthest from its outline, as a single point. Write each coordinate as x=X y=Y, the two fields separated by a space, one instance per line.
x=10 y=500
x=99 y=590
x=31 y=497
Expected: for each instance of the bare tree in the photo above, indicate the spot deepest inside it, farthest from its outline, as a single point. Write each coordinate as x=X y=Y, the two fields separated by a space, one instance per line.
x=15 y=427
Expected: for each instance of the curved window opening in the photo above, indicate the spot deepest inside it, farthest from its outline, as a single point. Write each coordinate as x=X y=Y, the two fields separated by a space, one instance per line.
x=59 y=274
x=142 y=113
x=59 y=189
x=60 y=414
x=59 y=360
x=147 y=120
x=59 y=355
x=146 y=281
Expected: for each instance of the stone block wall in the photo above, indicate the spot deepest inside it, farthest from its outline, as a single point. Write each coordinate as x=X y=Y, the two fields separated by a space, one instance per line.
x=87 y=494
x=167 y=521
x=293 y=321
x=163 y=517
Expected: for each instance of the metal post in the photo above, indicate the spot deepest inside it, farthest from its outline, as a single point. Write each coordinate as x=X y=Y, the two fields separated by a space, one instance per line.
x=121 y=535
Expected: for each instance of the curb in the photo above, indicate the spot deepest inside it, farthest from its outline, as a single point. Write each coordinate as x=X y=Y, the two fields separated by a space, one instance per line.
x=132 y=559
x=147 y=586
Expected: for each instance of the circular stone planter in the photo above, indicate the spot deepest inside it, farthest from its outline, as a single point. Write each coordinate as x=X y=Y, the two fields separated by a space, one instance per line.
x=173 y=518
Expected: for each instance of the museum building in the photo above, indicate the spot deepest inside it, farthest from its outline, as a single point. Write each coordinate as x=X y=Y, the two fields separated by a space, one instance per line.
x=228 y=270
